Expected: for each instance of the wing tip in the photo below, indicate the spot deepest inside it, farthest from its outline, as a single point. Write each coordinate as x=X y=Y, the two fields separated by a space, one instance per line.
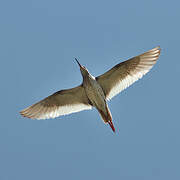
x=27 y=113
x=157 y=48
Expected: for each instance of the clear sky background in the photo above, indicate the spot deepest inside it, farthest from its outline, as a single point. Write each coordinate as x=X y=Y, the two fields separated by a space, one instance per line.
x=38 y=42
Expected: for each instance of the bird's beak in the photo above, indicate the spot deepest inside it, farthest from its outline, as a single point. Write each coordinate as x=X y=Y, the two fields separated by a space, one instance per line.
x=78 y=63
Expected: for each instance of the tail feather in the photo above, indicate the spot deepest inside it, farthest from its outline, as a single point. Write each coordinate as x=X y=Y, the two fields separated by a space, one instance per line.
x=106 y=117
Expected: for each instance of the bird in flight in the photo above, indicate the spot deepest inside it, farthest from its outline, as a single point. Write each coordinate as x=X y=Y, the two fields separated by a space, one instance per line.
x=94 y=91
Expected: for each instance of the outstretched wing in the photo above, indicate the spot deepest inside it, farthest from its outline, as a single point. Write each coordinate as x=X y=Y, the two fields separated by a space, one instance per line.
x=60 y=103
x=126 y=73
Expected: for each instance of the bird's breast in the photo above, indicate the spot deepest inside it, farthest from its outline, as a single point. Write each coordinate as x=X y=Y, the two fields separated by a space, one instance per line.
x=94 y=93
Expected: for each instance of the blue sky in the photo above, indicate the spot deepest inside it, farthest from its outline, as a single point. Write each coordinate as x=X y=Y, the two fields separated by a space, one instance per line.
x=38 y=42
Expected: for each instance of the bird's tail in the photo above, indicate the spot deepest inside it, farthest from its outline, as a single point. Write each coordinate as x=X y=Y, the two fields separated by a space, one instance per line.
x=106 y=117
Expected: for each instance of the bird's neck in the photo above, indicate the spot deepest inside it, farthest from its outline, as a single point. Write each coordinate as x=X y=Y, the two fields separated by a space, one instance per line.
x=88 y=76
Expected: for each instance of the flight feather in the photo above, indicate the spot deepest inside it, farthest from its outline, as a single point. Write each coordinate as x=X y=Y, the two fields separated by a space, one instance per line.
x=60 y=103
x=126 y=73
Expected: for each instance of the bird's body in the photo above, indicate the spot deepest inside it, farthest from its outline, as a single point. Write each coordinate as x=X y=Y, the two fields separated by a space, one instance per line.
x=97 y=98
x=94 y=92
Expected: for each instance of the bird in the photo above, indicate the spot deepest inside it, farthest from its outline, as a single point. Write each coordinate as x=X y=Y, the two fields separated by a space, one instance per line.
x=94 y=91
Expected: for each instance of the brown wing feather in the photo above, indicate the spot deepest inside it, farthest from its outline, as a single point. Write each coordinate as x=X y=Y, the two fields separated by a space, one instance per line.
x=60 y=103
x=126 y=73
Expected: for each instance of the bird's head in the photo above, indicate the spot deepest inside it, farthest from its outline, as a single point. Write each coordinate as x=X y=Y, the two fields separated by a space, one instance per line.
x=83 y=69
